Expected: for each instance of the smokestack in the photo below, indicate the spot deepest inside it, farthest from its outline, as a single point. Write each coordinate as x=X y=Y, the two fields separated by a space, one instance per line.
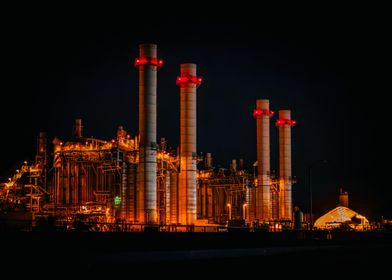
x=78 y=128
x=148 y=65
x=188 y=82
x=208 y=162
x=262 y=115
x=233 y=165
x=284 y=124
x=343 y=198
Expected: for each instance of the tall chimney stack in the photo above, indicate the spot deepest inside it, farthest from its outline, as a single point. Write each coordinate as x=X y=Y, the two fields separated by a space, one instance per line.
x=262 y=114
x=284 y=124
x=188 y=82
x=148 y=65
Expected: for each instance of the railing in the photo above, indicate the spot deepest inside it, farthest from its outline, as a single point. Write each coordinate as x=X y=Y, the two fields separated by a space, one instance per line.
x=14 y=225
x=127 y=227
x=10 y=225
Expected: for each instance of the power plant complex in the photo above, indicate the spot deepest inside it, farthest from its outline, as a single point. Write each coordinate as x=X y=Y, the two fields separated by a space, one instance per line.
x=137 y=182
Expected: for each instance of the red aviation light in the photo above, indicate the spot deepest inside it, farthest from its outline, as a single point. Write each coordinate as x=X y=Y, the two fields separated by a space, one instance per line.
x=260 y=112
x=281 y=122
x=148 y=61
x=257 y=113
x=184 y=81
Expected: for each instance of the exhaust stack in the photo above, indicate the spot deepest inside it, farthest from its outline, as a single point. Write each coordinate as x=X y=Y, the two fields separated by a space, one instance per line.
x=148 y=65
x=188 y=82
x=263 y=208
x=284 y=124
x=78 y=128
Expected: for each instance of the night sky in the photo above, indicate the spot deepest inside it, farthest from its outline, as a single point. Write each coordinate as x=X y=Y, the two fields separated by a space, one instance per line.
x=329 y=69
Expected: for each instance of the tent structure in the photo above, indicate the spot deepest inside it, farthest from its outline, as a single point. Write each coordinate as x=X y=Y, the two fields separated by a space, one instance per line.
x=344 y=218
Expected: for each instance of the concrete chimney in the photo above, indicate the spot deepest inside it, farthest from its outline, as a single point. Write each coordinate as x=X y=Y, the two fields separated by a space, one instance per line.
x=188 y=82
x=262 y=114
x=148 y=65
x=284 y=124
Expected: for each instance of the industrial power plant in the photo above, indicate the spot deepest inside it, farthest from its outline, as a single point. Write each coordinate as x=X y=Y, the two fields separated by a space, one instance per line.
x=136 y=182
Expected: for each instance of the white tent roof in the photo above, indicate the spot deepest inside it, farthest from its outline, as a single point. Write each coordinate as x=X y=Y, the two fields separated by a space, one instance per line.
x=341 y=216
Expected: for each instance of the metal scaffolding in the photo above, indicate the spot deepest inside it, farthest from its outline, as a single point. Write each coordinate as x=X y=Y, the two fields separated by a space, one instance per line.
x=94 y=181
x=222 y=195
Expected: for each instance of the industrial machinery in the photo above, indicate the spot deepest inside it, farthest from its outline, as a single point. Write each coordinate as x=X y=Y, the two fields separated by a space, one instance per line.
x=134 y=181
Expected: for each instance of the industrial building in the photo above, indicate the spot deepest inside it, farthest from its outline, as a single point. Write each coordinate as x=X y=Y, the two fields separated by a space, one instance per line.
x=135 y=181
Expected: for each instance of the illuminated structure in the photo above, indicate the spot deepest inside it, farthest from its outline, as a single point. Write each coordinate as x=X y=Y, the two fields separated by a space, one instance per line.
x=284 y=124
x=263 y=209
x=342 y=217
x=188 y=82
x=147 y=173
x=135 y=180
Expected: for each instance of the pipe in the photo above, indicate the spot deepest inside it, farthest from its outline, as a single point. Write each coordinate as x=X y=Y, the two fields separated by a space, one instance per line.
x=124 y=193
x=147 y=192
x=284 y=124
x=131 y=186
x=263 y=114
x=167 y=197
x=250 y=197
x=188 y=83
x=173 y=197
x=57 y=164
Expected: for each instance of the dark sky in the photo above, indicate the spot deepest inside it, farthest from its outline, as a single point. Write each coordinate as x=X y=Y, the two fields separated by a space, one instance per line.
x=329 y=68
